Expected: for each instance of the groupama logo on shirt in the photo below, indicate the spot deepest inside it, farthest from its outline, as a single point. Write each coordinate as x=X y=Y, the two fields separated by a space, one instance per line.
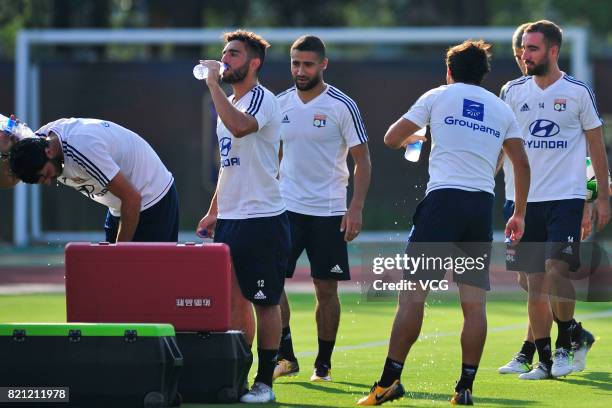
x=473 y=110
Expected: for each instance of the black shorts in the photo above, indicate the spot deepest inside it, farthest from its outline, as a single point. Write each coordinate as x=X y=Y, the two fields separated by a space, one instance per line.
x=552 y=231
x=324 y=244
x=457 y=224
x=158 y=223
x=260 y=249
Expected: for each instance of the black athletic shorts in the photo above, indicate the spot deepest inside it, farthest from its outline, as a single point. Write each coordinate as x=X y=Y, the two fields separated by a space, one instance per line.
x=552 y=231
x=260 y=250
x=453 y=227
x=158 y=223
x=324 y=243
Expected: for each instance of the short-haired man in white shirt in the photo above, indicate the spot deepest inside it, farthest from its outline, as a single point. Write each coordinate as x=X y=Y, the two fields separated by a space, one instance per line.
x=469 y=128
x=558 y=116
x=247 y=211
x=320 y=127
x=109 y=164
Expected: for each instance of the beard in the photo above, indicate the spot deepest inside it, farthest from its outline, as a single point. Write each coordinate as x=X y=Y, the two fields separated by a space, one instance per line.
x=538 y=69
x=238 y=74
x=308 y=85
x=58 y=165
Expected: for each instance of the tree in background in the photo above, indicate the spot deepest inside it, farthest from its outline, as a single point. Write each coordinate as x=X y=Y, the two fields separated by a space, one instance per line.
x=18 y=14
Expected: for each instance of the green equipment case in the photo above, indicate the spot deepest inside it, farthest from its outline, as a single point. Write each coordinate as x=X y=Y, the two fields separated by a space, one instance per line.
x=96 y=364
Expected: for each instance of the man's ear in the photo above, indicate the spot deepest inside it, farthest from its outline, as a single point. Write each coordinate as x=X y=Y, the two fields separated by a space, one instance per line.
x=255 y=64
x=554 y=51
x=324 y=63
x=49 y=152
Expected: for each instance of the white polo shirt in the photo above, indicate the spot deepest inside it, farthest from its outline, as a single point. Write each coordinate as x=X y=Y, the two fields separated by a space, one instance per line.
x=553 y=122
x=96 y=150
x=317 y=136
x=248 y=185
x=468 y=128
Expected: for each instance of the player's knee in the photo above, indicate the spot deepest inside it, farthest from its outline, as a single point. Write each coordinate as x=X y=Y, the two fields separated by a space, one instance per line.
x=535 y=282
x=521 y=278
x=326 y=290
x=474 y=311
x=267 y=312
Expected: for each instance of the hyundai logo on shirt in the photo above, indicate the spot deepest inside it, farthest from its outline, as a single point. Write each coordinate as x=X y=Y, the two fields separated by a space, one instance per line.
x=225 y=145
x=543 y=128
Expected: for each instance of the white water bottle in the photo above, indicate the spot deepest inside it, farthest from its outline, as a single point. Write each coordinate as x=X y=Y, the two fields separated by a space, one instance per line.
x=13 y=127
x=413 y=150
x=201 y=72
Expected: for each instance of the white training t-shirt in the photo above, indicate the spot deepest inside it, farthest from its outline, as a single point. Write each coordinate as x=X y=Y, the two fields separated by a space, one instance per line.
x=553 y=122
x=316 y=139
x=248 y=187
x=96 y=150
x=468 y=128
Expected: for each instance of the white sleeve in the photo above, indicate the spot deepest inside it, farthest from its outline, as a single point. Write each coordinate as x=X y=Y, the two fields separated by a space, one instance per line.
x=45 y=129
x=92 y=155
x=589 y=115
x=513 y=131
x=351 y=125
x=420 y=112
x=262 y=106
x=503 y=91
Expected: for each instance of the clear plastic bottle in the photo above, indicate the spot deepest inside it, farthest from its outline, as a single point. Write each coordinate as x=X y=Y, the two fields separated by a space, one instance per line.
x=12 y=126
x=413 y=150
x=201 y=72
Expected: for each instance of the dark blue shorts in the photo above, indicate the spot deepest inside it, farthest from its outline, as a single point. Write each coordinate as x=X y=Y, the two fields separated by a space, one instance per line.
x=324 y=244
x=552 y=231
x=260 y=249
x=457 y=224
x=159 y=223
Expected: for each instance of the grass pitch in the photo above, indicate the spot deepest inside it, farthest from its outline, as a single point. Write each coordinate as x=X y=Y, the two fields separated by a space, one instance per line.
x=433 y=365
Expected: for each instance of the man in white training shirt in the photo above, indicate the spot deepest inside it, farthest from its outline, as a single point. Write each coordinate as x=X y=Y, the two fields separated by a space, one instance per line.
x=521 y=362
x=469 y=128
x=109 y=164
x=320 y=126
x=558 y=116
x=247 y=211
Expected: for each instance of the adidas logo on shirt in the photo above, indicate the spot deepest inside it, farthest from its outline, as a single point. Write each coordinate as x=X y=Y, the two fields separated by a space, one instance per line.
x=336 y=269
x=285 y=119
x=260 y=295
x=568 y=251
x=524 y=108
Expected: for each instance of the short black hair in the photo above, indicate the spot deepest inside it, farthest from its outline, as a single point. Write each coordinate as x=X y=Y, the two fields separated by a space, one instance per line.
x=469 y=61
x=27 y=157
x=553 y=35
x=310 y=43
x=517 y=37
x=255 y=44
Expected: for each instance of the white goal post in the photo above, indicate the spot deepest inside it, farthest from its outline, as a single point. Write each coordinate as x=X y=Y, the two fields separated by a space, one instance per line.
x=27 y=198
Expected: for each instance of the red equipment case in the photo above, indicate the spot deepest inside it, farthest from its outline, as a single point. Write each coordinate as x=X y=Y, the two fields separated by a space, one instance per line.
x=186 y=285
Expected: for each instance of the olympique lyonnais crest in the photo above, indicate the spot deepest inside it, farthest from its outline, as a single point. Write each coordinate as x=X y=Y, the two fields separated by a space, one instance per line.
x=560 y=105
x=319 y=120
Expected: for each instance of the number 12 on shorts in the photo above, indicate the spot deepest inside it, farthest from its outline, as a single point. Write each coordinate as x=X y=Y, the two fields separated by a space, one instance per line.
x=260 y=283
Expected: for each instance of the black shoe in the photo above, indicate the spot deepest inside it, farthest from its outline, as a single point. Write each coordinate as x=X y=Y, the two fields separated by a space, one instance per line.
x=321 y=373
x=462 y=397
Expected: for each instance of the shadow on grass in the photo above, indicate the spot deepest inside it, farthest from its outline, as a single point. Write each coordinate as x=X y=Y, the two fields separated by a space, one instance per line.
x=326 y=389
x=477 y=399
x=597 y=379
x=351 y=384
x=410 y=395
x=274 y=405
